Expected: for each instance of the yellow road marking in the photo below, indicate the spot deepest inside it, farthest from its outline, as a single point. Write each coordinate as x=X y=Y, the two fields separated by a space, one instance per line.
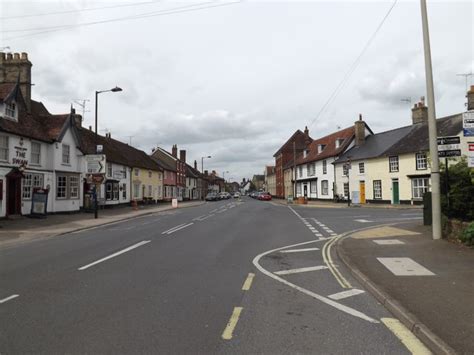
x=412 y=343
x=234 y=318
x=248 y=282
x=328 y=260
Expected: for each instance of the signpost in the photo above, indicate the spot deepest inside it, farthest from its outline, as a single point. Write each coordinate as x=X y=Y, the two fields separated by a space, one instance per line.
x=470 y=156
x=468 y=123
x=96 y=168
x=448 y=147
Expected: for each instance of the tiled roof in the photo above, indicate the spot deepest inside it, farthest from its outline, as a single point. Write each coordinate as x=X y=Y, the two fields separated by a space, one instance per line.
x=6 y=90
x=116 y=151
x=329 y=142
x=300 y=138
x=164 y=159
x=191 y=172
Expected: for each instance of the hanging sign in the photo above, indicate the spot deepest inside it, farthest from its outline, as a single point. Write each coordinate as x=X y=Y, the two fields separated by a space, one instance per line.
x=39 y=202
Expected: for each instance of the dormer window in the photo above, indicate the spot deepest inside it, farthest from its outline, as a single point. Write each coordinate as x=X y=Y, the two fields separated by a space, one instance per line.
x=321 y=148
x=305 y=153
x=10 y=110
x=339 y=142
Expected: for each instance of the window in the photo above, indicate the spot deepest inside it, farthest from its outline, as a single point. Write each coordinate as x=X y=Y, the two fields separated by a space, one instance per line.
x=109 y=170
x=136 y=189
x=421 y=163
x=66 y=151
x=35 y=153
x=4 y=148
x=29 y=182
x=321 y=148
x=361 y=168
x=150 y=190
x=345 y=170
x=149 y=173
x=313 y=187
x=124 y=172
x=377 y=189
x=137 y=172
x=10 y=110
x=324 y=187
x=346 y=189
x=115 y=190
x=300 y=171
x=124 y=190
x=61 y=188
x=108 y=191
x=420 y=186
x=73 y=187
x=393 y=164
x=298 y=189
x=325 y=167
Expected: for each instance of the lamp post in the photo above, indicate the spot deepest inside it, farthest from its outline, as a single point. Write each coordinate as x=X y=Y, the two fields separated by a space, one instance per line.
x=223 y=177
x=202 y=162
x=115 y=89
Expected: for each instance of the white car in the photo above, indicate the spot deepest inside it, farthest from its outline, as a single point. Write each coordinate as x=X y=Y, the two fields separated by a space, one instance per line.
x=236 y=195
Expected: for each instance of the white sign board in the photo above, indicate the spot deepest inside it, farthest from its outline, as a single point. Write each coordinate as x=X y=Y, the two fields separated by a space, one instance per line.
x=95 y=164
x=174 y=203
x=468 y=123
x=449 y=146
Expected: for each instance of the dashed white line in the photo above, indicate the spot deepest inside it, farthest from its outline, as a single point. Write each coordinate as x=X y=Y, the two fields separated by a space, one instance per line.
x=171 y=229
x=362 y=220
x=345 y=294
x=199 y=218
x=298 y=250
x=303 y=269
x=9 y=298
x=114 y=254
x=178 y=229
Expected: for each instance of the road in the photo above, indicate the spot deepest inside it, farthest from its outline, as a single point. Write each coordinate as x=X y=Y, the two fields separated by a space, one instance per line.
x=224 y=277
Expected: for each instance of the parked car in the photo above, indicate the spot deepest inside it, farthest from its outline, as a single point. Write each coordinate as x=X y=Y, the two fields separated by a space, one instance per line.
x=224 y=195
x=264 y=196
x=211 y=196
x=236 y=195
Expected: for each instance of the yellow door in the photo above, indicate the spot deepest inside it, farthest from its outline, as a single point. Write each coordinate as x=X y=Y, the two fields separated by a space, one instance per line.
x=362 y=191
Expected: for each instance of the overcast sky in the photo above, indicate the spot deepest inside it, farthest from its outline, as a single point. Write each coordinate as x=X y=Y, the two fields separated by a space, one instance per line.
x=236 y=81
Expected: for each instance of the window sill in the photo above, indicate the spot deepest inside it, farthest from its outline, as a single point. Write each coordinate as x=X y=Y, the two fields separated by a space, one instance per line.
x=65 y=164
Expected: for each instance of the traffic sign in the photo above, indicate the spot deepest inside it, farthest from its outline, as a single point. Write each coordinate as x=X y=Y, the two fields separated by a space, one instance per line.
x=468 y=123
x=470 y=156
x=98 y=178
x=95 y=163
x=449 y=147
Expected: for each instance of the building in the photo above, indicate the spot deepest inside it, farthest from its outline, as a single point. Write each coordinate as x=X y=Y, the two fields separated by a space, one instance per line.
x=284 y=155
x=37 y=149
x=193 y=185
x=270 y=180
x=168 y=163
x=258 y=182
x=394 y=166
x=314 y=168
x=215 y=183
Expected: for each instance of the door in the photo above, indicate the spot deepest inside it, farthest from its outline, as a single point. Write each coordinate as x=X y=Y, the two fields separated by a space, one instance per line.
x=362 y=191
x=13 y=195
x=305 y=190
x=395 y=192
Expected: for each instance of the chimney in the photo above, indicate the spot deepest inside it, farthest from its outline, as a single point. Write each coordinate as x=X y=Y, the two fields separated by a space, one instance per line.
x=470 y=98
x=90 y=128
x=206 y=173
x=195 y=165
x=306 y=130
x=16 y=67
x=419 y=112
x=182 y=155
x=174 y=151
x=359 y=131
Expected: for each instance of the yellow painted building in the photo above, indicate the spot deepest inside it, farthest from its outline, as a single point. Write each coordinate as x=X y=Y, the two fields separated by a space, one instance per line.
x=146 y=180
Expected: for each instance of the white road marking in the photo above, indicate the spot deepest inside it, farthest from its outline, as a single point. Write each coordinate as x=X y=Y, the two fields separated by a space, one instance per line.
x=169 y=230
x=214 y=210
x=328 y=301
x=302 y=269
x=298 y=250
x=199 y=218
x=345 y=294
x=114 y=254
x=8 y=298
x=362 y=220
x=388 y=241
x=178 y=229
x=405 y=267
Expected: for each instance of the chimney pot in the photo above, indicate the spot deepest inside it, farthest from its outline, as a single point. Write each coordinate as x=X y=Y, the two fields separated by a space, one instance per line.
x=16 y=56
x=90 y=128
x=360 y=117
x=9 y=56
x=182 y=155
x=24 y=56
x=470 y=98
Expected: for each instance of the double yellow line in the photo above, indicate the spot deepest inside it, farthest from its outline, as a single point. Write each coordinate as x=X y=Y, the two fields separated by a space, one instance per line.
x=329 y=262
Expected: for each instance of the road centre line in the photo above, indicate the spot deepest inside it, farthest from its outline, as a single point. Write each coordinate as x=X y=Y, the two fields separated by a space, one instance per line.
x=114 y=254
x=234 y=318
x=337 y=305
x=345 y=294
x=412 y=343
x=9 y=298
x=171 y=229
x=298 y=250
x=199 y=218
x=182 y=227
x=299 y=270
x=248 y=282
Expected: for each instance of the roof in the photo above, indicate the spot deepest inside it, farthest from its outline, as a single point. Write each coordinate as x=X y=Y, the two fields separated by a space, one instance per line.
x=164 y=159
x=258 y=177
x=329 y=142
x=269 y=170
x=300 y=139
x=116 y=151
x=191 y=172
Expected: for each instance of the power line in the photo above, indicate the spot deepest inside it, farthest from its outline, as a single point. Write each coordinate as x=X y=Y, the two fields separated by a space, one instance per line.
x=181 y=9
x=353 y=67
x=78 y=10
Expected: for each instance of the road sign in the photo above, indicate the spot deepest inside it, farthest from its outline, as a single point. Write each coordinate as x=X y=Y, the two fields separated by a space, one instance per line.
x=449 y=147
x=98 y=178
x=470 y=154
x=468 y=123
x=95 y=163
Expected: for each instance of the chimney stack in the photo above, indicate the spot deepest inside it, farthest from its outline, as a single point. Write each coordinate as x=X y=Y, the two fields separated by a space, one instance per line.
x=419 y=112
x=16 y=67
x=182 y=155
x=174 y=151
x=359 y=131
x=306 y=130
x=195 y=165
x=470 y=98
x=206 y=173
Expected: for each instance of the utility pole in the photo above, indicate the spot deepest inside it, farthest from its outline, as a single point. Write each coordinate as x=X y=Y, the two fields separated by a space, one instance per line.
x=435 y=180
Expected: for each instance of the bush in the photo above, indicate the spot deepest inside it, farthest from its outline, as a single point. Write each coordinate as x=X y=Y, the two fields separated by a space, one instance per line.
x=468 y=235
x=461 y=191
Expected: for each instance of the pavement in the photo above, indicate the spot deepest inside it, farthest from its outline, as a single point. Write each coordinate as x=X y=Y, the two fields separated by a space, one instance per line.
x=227 y=277
x=24 y=229
x=331 y=204
x=433 y=296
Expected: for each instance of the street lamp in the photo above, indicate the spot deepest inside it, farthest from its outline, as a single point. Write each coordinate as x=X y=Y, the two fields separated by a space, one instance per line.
x=115 y=89
x=202 y=162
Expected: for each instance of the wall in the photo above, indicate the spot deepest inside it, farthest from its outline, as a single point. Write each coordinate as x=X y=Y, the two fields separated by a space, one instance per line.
x=146 y=177
x=317 y=179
